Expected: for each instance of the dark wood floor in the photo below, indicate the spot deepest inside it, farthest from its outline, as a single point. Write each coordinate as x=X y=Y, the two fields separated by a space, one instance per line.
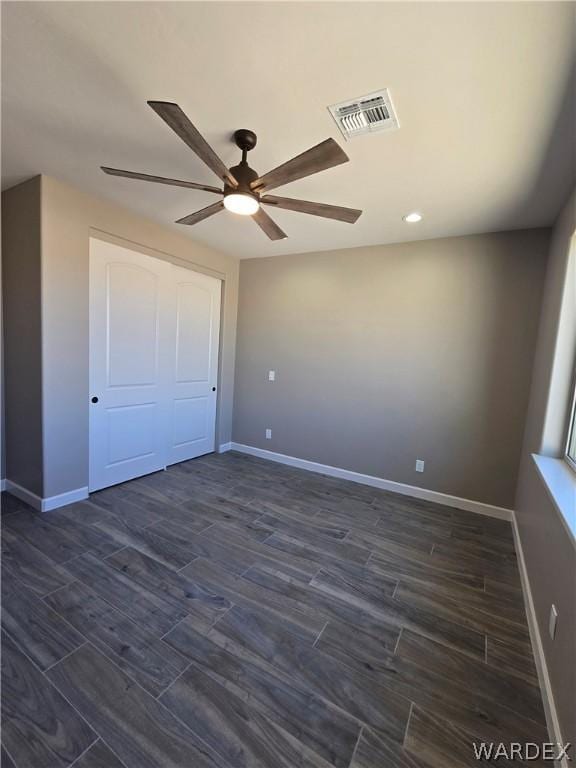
x=234 y=612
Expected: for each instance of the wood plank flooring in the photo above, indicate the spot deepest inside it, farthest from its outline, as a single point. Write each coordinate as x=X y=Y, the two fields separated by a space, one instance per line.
x=236 y=613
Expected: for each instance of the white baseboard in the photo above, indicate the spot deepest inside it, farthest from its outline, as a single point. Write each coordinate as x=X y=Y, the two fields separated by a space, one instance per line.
x=48 y=503
x=224 y=447
x=2 y=485
x=552 y=721
x=378 y=482
x=62 y=499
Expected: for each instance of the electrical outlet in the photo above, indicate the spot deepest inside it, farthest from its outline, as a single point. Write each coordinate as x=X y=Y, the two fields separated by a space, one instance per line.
x=553 y=621
x=268 y=434
x=271 y=375
x=419 y=465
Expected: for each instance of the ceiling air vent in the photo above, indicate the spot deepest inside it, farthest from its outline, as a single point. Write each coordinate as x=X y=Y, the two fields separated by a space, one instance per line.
x=367 y=114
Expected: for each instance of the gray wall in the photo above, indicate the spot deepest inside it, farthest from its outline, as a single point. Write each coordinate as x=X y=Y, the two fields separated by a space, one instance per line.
x=549 y=550
x=47 y=231
x=22 y=334
x=392 y=353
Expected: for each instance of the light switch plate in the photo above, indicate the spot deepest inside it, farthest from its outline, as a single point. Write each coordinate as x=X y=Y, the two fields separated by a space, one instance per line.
x=271 y=375
x=268 y=434
x=419 y=465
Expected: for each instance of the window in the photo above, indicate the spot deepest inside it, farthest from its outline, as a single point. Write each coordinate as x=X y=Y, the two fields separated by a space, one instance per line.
x=571 y=442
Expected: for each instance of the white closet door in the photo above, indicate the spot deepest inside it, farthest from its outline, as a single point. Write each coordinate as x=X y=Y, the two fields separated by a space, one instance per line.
x=130 y=363
x=154 y=335
x=196 y=329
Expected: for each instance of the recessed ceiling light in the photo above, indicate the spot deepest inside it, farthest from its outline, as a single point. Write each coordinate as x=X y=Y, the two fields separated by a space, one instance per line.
x=413 y=218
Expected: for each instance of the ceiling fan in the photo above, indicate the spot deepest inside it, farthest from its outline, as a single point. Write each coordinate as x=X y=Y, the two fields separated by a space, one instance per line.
x=243 y=187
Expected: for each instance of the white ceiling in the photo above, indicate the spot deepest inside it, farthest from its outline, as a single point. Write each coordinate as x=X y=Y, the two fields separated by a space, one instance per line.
x=486 y=137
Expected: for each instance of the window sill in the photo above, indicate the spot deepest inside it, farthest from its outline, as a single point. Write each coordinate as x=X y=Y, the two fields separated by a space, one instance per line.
x=560 y=482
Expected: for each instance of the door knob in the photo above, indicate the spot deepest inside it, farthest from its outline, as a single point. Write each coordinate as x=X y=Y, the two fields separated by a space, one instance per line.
x=213 y=389
x=94 y=399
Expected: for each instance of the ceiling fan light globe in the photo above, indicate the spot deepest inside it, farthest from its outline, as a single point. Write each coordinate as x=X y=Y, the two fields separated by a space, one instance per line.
x=244 y=205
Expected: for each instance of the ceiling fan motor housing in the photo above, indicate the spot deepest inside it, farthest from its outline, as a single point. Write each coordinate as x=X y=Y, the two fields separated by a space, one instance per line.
x=244 y=175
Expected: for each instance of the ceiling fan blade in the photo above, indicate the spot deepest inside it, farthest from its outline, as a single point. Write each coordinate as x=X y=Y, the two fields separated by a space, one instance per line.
x=181 y=125
x=350 y=215
x=325 y=155
x=203 y=213
x=160 y=180
x=268 y=226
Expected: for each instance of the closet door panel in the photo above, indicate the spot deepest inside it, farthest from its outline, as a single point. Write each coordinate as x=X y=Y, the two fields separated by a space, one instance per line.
x=196 y=336
x=129 y=363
